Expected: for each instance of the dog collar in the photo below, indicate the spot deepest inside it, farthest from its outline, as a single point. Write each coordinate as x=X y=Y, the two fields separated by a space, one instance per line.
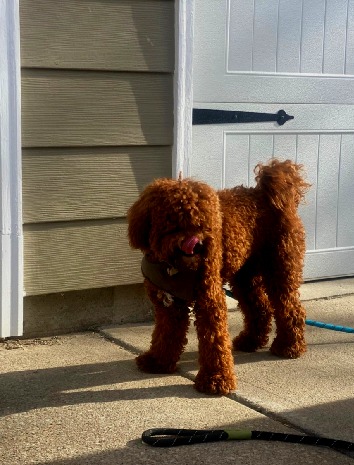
x=180 y=284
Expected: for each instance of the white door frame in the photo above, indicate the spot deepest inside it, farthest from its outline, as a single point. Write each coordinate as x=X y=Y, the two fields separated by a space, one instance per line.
x=11 y=238
x=183 y=87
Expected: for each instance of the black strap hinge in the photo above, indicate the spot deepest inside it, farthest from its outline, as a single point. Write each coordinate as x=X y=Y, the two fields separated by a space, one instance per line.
x=206 y=116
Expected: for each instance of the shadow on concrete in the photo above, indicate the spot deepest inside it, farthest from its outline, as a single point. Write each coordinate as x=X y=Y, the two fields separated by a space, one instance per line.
x=22 y=391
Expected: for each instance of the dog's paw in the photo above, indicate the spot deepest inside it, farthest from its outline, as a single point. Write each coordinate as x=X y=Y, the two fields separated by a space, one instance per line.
x=216 y=384
x=284 y=350
x=150 y=364
x=246 y=343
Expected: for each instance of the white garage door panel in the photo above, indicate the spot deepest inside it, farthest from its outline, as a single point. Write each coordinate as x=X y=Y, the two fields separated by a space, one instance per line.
x=327 y=191
x=329 y=264
x=297 y=36
x=301 y=49
x=297 y=55
x=328 y=214
x=207 y=160
x=346 y=193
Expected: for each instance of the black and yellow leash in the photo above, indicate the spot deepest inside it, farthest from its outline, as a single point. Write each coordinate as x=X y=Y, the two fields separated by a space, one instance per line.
x=171 y=437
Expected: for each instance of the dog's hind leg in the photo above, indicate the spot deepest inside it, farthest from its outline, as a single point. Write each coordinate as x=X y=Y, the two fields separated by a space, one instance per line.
x=248 y=289
x=283 y=291
x=169 y=335
x=290 y=321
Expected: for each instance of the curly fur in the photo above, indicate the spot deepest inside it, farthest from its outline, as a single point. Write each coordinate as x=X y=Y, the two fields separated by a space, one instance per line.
x=251 y=238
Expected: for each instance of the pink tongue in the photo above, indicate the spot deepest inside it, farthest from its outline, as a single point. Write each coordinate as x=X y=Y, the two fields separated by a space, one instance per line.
x=189 y=244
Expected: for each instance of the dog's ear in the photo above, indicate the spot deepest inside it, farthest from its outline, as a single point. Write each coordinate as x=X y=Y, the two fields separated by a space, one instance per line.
x=139 y=222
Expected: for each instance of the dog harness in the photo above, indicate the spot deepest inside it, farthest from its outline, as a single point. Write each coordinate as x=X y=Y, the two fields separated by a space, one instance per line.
x=180 y=284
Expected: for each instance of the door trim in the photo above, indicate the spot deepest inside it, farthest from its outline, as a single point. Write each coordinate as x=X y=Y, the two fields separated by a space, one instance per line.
x=183 y=89
x=11 y=236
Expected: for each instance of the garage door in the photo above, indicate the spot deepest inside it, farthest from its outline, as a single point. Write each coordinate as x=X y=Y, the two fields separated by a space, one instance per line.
x=298 y=55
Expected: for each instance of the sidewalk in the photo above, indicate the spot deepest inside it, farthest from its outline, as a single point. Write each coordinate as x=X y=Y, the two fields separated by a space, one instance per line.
x=79 y=399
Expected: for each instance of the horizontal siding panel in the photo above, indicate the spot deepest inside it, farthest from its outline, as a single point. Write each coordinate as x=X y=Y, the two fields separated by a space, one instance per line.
x=135 y=35
x=74 y=108
x=76 y=184
x=78 y=255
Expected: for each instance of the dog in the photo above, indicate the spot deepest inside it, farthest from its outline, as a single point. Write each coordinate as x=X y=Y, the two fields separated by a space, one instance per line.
x=195 y=240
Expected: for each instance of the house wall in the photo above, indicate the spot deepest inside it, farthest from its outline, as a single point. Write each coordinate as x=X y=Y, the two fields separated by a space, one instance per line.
x=97 y=126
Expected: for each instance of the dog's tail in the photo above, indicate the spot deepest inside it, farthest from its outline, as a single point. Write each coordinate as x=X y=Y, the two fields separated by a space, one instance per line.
x=283 y=183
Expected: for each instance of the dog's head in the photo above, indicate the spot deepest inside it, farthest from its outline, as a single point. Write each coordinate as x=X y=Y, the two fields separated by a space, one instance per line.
x=177 y=221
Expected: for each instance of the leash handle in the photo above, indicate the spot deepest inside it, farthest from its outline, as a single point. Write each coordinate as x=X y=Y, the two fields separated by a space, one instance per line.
x=170 y=437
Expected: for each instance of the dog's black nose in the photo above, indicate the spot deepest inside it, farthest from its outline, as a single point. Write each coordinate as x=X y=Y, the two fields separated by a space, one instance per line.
x=198 y=248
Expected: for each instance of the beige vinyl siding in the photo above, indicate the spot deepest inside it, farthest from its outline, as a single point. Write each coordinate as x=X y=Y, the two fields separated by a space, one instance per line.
x=67 y=256
x=77 y=108
x=97 y=126
x=134 y=35
x=61 y=184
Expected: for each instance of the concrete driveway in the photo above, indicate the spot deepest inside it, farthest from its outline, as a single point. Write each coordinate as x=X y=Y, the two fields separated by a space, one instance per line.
x=79 y=399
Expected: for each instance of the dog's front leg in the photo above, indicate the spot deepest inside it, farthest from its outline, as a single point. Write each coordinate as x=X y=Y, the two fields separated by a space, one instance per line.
x=169 y=335
x=217 y=372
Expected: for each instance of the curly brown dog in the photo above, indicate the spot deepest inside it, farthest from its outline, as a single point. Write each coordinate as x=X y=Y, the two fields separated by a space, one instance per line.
x=195 y=240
